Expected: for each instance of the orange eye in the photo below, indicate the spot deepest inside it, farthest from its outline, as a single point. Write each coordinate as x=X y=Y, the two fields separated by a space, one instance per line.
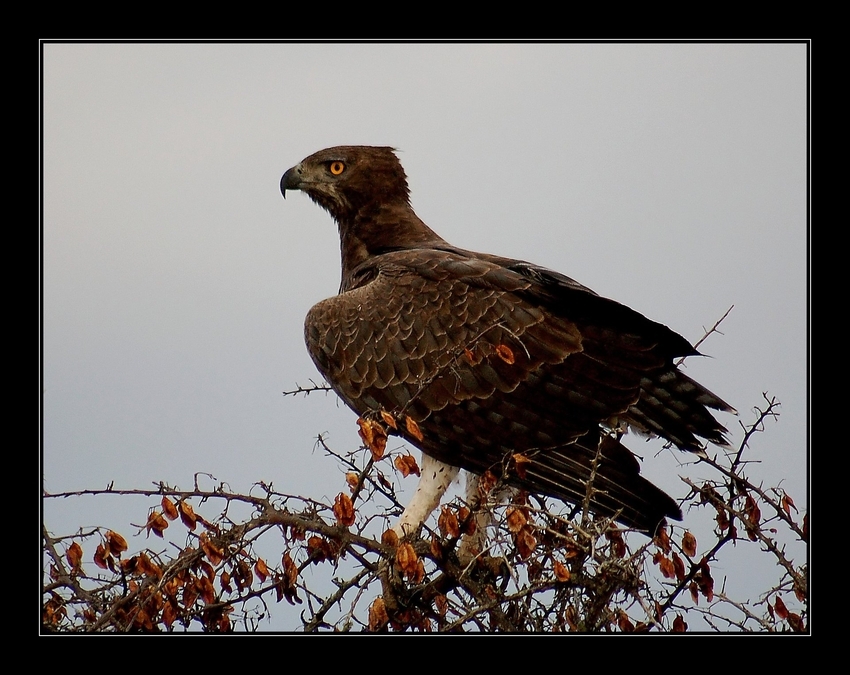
x=337 y=168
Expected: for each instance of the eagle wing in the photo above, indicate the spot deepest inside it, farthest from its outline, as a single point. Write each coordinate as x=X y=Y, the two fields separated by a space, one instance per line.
x=485 y=355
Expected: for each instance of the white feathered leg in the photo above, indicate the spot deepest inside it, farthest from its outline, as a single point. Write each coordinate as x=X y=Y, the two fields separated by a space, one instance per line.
x=434 y=479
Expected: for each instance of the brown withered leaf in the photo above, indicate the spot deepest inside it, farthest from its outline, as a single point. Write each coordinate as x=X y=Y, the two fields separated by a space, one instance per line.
x=704 y=580
x=571 y=617
x=130 y=565
x=468 y=523
x=679 y=566
x=486 y=482
x=406 y=559
x=156 y=523
x=787 y=503
x=290 y=570
x=413 y=428
x=515 y=519
x=317 y=549
x=206 y=590
x=624 y=623
x=190 y=594
x=147 y=567
x=448 y=523
x=526 y=542
x=261 y=570
x=562 y=572
x=406 y=464
x=389 y=419
x=117 y=544
x=378 y=618
x=689 y=544
x=353 y=480
x=668 y=569
x=780 y=608
x=694 y=589
x=662 y=539
x=74 y=556
x=207 y=569
x=243 y=576
x=168 y=508
x=103 y=559
x=799 y=591
x=214 y=554
x=441 y=604
x=344 y=510
x=521 y=463
x=287 y=585
x=187 y=515
x=505 y=353
x=374 y=437
x=436 y=548
x=618 y=544
x=224 y=580
x=796 y=622
x=753 y=516
x=389 y=538
x=419 y=575
x=679 y=625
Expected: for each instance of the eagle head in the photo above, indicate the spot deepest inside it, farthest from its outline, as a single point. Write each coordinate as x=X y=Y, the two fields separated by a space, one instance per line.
x=346 y=180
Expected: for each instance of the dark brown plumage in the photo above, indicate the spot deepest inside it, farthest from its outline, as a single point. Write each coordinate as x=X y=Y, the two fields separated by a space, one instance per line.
x=491 y=356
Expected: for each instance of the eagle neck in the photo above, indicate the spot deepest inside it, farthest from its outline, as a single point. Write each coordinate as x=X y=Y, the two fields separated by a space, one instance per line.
x=373 y=231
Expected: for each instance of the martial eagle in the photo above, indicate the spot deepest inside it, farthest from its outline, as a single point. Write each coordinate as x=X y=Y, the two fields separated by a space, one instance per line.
x=501 y=365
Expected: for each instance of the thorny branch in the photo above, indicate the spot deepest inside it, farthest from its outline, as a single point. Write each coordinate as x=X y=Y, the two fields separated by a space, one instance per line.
x=542 y=570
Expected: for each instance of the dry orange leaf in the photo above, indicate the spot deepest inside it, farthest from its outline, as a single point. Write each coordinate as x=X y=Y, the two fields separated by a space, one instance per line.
x=526 y=542
x=407 y=559
x=662 y=539
x=117 y=544
x=187 y=515
x=787 y=504
x=156 y=523
x=780 y=608
x=448 y=523
x=668 y=569
x=679 y=566
x=689 y=544
x=407 y=465
x=374 y=437
x=261 y=570
x=344 y=510
x=168 y=508
x=515 y=518
x=486 y=482
x=214 y=554
x=413 y=428
x=102 y=558
x=389 y=419
x=562 y=572
x=389 y=538
x=505 y=353
x=74 y=556
x=353 y=480
x=521 y=463
x=378 y=617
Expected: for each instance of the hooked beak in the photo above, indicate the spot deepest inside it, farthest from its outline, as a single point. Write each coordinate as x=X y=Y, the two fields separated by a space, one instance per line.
x=291 y=180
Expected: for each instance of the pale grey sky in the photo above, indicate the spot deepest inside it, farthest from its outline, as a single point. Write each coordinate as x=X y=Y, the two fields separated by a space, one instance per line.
x=670 y=177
